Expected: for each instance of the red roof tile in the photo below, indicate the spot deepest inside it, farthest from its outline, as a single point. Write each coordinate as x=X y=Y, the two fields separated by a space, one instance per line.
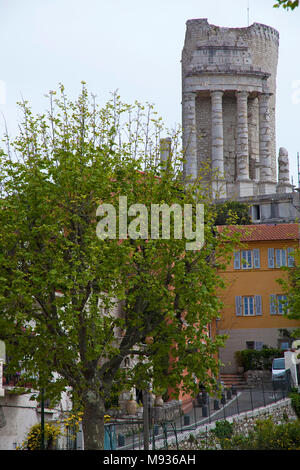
x=264 y=231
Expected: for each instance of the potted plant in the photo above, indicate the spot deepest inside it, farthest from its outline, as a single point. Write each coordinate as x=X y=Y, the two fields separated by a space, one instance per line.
x=159 y=391
x=131 y=406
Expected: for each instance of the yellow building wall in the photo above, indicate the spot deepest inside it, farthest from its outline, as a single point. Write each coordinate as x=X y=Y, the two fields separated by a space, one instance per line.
x=256 y=281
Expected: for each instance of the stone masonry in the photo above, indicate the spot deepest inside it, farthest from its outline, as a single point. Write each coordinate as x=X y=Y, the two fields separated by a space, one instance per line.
x=228 y=108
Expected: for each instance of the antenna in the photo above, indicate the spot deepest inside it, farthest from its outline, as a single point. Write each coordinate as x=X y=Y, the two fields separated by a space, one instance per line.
x=248 y=9
x=298 y=163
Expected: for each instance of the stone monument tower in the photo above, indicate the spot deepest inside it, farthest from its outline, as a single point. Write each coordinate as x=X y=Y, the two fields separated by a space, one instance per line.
x=228 y=108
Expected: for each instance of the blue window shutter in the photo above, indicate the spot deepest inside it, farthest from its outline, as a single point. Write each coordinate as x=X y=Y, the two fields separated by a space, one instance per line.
x=283 y=257
x=238 y=305
x=258 y=309
x=282 y=303
x=290 y=257
x=244 y=259
x=246 y=305
x=271 y=257
x=273 y=309
x=278 y=258
x=256 y=258
x=251 y=306
x=237 y=260
x=249 y=259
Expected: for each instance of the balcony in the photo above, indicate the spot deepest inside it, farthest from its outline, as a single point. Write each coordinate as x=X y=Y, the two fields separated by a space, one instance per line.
x=11 y=382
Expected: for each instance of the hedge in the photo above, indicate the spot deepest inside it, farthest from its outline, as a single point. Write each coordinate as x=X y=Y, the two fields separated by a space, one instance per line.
x=252 y=359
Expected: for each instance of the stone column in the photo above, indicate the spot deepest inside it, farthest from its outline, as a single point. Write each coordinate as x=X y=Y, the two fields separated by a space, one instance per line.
x=189 y=135
x=242 y=150
x=217 y=151
x=165 y=153
x=253 y=138
x=266 y=184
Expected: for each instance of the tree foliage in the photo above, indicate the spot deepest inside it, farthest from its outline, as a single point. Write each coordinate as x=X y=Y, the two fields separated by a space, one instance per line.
x=232 y=213
x=287 y=4
x=291 y=287
x=74 y=307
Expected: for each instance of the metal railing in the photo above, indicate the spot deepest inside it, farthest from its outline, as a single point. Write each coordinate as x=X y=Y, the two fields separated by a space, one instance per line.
x=188 y=418
x=128 y=434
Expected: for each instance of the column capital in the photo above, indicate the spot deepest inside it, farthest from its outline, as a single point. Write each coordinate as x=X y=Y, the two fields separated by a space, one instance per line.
x=242 y=93
x=216 y=92
x=189 y=95
x=264 y=96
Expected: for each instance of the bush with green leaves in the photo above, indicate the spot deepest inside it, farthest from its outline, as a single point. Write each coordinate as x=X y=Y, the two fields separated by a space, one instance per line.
x=295 y=401
x=266 y=435
x=223 y=429
x=252 y=359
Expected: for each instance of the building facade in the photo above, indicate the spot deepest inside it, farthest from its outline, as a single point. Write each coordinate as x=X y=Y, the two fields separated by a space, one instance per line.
x=253 y=299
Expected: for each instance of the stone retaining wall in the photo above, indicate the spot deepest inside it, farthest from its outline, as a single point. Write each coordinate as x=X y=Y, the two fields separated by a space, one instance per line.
x=280 y=412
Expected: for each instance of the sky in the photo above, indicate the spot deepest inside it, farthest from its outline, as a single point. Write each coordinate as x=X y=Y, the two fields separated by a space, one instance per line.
x=133 y=46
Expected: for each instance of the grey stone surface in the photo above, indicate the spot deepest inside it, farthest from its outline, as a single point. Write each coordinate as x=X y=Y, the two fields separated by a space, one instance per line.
x=228 y=105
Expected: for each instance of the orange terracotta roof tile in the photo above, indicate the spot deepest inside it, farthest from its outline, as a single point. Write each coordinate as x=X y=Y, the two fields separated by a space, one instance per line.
x=264 y=231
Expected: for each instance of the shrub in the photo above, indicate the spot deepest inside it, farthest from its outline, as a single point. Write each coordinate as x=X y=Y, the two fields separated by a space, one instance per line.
x=252 y=359
x=33 y=440
x=295 y=401
x=267 y=436
x=223 y=429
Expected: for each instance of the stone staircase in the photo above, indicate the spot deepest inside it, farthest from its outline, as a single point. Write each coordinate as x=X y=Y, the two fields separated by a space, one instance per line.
x=236 y=380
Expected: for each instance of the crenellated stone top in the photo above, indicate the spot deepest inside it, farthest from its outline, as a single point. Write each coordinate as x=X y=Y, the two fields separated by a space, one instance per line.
x=259 y=29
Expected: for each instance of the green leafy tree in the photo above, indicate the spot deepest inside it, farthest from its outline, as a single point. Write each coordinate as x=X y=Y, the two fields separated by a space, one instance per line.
x=287 y=4
x=291 y=285
x=74 y=306
x=232 y=212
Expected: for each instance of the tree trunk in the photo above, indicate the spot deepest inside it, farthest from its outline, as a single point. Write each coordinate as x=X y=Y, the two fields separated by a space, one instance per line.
x=93 y=421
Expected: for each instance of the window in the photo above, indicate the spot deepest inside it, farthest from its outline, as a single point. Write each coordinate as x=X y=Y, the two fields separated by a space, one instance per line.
x=247 y=259
x=281 y=299
x=258 y=345
x=277 y=304
x=256 y=212
x=248 y=305
x=278 y=363
x=280 y=257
